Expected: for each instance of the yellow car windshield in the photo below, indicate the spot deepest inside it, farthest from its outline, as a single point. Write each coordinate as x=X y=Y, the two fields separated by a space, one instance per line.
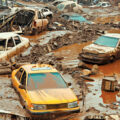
x=45 y=81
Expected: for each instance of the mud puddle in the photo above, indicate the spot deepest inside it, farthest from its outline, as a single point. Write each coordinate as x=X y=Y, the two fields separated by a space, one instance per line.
x=42 y=39
x=114 y=31
x=110 y=19
x=9 y=99
x=70 y=54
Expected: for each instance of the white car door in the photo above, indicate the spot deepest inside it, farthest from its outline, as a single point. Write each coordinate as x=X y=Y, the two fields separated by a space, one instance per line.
x=11 y=47
x=18 y=43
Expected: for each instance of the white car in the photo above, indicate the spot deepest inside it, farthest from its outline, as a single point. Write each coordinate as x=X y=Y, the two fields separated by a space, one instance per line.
x=11 y=44
x=102 y=4
x=46 y=12
x=69 y=5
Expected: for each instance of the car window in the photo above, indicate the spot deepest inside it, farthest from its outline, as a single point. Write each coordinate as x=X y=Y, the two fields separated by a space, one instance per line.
x=67 y=6
x=23 y=79
x=2 y=44
x=19 y=73
x=10 y=43
x=45 y=81
x=73 y=5
x=44 y=10
x=60 y=6
x=66 y=17
x=107 y=41
x=39 y=15
x=103 y=4
x=17 y=40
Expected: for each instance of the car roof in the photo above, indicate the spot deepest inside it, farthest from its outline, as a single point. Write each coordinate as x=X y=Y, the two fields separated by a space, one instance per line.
x=103 y=2
x=115 y=35
x=38 y=68
x=6 y=35
x=67 y=2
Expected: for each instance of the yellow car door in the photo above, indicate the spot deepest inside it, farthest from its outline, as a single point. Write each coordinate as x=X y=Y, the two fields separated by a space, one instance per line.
x=22 y=86
x=16 y=77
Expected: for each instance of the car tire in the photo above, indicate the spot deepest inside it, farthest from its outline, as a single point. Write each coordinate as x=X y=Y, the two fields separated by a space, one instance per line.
x=77 y=111
x=112 y=58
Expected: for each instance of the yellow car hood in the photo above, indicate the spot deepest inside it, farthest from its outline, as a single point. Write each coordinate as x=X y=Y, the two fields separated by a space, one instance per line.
x=52 y=96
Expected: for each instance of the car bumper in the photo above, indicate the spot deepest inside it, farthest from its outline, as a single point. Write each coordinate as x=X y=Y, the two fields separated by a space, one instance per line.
x=96 y=60
x=41 y=112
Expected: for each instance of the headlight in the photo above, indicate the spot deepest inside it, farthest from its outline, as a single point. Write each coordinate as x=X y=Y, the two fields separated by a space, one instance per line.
x=38 y=107
x=73 y=104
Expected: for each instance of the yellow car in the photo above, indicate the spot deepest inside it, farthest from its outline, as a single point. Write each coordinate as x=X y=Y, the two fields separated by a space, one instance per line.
x=43 y=90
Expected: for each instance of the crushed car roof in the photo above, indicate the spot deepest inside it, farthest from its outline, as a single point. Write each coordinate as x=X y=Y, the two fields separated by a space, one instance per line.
x=7 y=35
x=115 y=35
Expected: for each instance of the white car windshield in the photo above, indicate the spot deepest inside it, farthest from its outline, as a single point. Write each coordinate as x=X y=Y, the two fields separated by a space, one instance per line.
x=107 y=41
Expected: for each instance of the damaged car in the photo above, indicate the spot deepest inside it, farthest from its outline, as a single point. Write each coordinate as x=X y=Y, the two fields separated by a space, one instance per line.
x=30 y=20
x=105 y=49
x=45 y=11
x=69 y=6
x=26 y=20
x=43 y=90
x=11 y=44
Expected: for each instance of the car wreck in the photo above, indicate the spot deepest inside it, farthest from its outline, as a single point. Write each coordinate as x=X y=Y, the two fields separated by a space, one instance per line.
x=11 y=44
x=105 y=49
x=26 y=20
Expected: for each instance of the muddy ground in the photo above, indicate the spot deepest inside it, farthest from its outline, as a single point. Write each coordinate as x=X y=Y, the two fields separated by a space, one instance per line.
x=61 y=48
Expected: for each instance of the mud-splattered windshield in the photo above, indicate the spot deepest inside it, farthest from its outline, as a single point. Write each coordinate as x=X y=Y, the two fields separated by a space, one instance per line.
x=107 y=41
x=45 y=81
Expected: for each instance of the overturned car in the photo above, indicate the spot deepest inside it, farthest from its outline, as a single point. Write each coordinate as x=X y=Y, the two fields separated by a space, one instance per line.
x=105 y=49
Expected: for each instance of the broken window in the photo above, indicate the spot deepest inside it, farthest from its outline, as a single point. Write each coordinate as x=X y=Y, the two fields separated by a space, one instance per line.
x=2 y=44
x=10 y=43
x=17 y=40
x=19 y=73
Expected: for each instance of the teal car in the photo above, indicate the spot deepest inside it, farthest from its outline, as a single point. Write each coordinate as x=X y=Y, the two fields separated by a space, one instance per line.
x=75 y=17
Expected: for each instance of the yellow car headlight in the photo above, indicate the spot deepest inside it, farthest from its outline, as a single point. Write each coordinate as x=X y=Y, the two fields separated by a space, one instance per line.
x=73 y=104
x=38 y=107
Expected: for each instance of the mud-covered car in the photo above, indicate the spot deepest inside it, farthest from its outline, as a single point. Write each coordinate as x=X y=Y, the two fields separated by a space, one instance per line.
x=105 y=49
x=29 y=20
x=43 y=90
x=11 y=44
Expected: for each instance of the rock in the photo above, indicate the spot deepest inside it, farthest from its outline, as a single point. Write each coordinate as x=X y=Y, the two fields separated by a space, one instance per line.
x=70 y=37
x=83 y=65
x=86 y=72
x=95 y=69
